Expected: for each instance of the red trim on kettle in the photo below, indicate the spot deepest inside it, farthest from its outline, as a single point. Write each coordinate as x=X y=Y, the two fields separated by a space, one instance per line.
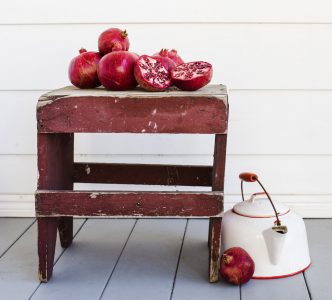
x=259 y=217
x=281 y=276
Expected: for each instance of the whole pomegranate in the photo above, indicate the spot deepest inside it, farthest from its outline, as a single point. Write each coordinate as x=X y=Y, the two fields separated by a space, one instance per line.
x=116 y=70
x=192 y=76
x=172 y=54
x=113 y=39
x=82 y=70
x=236 y=266
x=151 y=74
x=167 y=62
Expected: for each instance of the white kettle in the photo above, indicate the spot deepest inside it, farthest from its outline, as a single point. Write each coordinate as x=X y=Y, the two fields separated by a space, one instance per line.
x=273 y=235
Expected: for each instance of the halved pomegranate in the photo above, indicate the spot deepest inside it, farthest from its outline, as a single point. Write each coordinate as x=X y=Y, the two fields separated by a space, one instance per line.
x=192 y=76
x=151 y=74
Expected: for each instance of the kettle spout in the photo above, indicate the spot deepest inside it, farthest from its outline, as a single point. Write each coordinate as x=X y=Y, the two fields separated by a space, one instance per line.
x=275 y=239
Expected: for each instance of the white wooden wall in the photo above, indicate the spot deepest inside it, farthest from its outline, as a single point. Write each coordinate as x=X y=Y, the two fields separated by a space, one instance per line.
x=274 y=56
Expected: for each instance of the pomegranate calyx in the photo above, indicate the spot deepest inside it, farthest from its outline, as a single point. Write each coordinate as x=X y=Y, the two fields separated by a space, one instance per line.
x=227 y=259
x=82 y=50
x=163 y=52
x=124 y=34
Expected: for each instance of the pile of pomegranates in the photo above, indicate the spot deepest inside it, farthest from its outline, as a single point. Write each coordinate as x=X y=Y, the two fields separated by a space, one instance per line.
x=117 y=69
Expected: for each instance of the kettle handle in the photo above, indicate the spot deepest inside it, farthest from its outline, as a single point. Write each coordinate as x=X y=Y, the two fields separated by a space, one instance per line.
x=248 y=177
x=252 y=177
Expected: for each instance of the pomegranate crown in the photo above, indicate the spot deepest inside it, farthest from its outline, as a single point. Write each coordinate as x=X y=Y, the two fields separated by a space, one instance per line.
x=82 y=50
x=163 y=52
x=124 y=34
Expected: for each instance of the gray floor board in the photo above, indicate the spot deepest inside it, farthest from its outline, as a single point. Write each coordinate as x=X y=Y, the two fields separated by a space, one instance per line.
x=319 y=275
x=192 y=276
x=83 y=270
x=18 y=267
x=292 y=288
x=10 y=231
x=144 y=266
x=147 y=266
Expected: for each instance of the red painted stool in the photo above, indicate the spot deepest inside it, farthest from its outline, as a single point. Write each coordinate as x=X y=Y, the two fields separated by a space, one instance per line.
x=63 y=112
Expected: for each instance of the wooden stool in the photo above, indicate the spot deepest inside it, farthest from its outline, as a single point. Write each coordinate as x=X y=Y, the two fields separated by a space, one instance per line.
x=63 y=112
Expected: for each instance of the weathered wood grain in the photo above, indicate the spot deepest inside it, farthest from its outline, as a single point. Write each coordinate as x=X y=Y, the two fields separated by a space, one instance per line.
x=142 y=174
x=209 y=90
x=135 y=204
x=218 y=177
x=191 y=281
x=55 y=166
x=83 y=270
x=147 y=266
x=172 y=114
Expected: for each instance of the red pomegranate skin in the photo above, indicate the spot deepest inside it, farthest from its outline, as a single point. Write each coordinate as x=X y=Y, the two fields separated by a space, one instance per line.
x=173 y=55
x=166 y=61
x=191 y=84
x=236 y=266
x=82 y=70
x=113 y=39
x=116 y=71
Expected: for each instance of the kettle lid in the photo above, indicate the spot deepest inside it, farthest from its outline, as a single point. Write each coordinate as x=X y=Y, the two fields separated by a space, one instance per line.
x=258 y=206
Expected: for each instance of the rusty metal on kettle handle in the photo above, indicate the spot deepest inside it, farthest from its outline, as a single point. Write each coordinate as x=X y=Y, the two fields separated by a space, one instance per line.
x=280 y=229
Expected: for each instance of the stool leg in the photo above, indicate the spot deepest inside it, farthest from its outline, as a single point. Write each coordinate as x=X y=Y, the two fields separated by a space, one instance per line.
x=55 y=166
x=46 y=246
x=214 y=253
x=218 y=175
x=209 y=234
x=65 y=226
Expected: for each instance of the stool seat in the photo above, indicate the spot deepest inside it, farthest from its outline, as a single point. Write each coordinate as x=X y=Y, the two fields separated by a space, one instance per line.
x=64 y=112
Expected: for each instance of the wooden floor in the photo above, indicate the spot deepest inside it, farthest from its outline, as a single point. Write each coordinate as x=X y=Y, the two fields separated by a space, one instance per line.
x=145 y=259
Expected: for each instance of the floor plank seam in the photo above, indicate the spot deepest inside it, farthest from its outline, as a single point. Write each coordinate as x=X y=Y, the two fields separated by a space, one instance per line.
x=118 y=259
x=13 y=243
x=63 y=250
x=179 y=258
x=306 y=284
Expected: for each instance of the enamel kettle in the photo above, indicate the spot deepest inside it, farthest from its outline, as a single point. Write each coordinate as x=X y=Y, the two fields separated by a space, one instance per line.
x=273 y=235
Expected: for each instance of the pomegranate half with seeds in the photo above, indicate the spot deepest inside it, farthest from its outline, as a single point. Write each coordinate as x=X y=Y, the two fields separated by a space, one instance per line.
x=151 y=74
x=192 y=76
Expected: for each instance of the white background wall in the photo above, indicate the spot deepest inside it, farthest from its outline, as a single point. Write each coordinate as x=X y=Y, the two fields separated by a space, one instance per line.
x=274 y=56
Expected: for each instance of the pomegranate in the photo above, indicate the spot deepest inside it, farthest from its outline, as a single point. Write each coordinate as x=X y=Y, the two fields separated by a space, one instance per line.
x=151 y=74
x=172 y=54
x=116 y=70
x=236 y=266
x=113 y=39
x=192 y=76
x=167 y=62
x=83 y=69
